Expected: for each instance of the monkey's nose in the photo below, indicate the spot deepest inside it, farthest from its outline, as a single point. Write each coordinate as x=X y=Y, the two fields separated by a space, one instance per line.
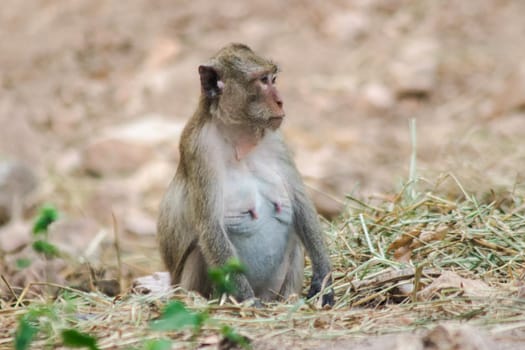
x=279 y=103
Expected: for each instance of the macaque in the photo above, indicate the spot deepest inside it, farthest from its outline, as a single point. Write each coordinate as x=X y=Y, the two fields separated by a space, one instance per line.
x=237 y=192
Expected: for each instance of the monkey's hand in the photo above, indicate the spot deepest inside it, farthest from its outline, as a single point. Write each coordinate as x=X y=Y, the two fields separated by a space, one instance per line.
x=317 y=286
x=243 y=289
x=254 y=302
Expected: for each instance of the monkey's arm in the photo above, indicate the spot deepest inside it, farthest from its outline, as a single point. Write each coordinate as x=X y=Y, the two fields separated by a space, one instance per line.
x=309 y=231
x=206 y=201
x=174 y=234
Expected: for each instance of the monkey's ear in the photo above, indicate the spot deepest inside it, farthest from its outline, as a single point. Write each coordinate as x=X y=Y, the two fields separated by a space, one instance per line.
x=210 y=81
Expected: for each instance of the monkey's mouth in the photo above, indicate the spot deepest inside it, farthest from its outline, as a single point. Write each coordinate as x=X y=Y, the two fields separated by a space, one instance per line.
x=275 y=122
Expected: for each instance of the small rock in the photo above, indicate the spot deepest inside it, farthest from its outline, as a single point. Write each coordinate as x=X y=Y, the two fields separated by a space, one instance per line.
x=311 y=163
x=347 y=26
x=40 y=269
x=414 y=71
x=139 y=223
x=154 y=77
x=378 y=96
x=163 y=50
x=125 y=148
x=455 y=336
x=73 y=236
x=17 y=183
x=110 y=197
x=115 y=156
x=14 y=236
x=156 y=175
x=151 y=130
x=18 y=136
x=68 y=162
x=408 y=342
x=157 y=283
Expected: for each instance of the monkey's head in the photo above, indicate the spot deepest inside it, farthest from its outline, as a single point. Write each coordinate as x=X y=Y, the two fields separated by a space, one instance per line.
x=240 y=88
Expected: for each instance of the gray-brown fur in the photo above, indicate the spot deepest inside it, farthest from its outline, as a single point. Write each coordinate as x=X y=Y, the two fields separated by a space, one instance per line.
x=237 y=192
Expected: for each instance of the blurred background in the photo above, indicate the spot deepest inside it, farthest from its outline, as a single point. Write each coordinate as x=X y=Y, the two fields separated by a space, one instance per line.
x=94 y=95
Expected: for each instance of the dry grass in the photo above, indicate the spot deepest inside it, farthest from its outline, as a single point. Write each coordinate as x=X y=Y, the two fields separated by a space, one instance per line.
x=388 y=258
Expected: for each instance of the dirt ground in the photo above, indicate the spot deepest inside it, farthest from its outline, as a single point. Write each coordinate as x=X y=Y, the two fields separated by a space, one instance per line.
x=353 y=74
x=76 y=75
x=480 y=340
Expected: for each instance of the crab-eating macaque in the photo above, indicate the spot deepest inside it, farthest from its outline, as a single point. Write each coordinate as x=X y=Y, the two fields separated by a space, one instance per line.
x=237 y=192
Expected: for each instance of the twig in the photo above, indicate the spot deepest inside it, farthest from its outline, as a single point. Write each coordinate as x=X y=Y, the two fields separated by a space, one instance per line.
x=367 y=236
x=413 y=158
x=327 y=195
x=417 y=282
x=9 y=286
x=22 y=295
x=363 y=204
x=390 y=276
x=490 y=245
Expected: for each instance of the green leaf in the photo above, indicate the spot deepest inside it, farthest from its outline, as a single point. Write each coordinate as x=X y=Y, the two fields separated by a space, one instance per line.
x=234 y=265
x=45 y=248
x=75 y=339
x=234 y=337
x=22 y=263
x=221 y=282
x=24 y=334
x=221 y=276
x=47 y=215
x=176 y=317
x=158 y=344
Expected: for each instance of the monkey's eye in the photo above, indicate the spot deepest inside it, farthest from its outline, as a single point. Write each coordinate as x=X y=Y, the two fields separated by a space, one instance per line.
x=266 y=79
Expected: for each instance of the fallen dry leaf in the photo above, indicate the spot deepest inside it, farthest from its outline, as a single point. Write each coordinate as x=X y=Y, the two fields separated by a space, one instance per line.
x=322 y=322
x=403 y=254
x=451 y=280
x=404 y=240
x=434 y=235
x=407 y=242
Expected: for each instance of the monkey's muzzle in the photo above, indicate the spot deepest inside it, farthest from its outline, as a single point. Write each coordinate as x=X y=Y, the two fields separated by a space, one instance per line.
x=275 y=122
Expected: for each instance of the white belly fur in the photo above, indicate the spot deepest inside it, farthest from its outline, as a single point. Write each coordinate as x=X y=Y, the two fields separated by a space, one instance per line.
x=255 y=185
x=258 y=217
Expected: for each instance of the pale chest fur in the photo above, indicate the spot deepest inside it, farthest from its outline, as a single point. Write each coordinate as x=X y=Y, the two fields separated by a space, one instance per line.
x=256 y=207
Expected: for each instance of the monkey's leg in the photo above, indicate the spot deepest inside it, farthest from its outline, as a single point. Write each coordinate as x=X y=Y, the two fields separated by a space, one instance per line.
x=293 y=282
x=194 y=274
